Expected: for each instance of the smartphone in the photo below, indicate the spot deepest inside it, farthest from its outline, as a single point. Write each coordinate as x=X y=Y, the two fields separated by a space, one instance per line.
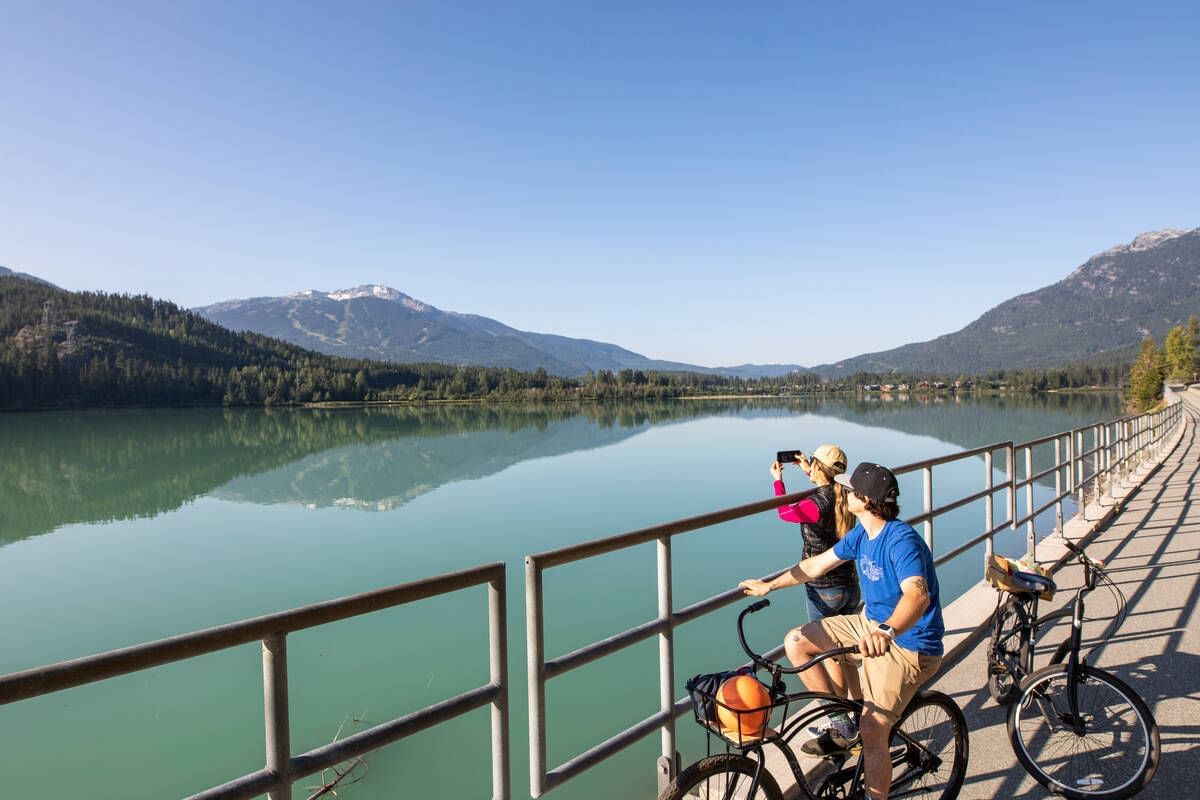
x=788 y=456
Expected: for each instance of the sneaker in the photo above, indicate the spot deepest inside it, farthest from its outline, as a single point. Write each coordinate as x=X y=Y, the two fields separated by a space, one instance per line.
x=830 y=742
x=838 y=721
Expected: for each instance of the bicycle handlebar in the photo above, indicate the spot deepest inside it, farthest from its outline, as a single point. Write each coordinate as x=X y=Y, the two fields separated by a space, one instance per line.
x=772 y=666
x=1090 y=565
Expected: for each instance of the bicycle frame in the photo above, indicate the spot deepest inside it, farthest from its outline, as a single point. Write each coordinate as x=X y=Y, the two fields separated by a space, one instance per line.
x=1029 y=623
x=1091 y=575
x=803 y=719
x=1073 y=659
x=813 y=710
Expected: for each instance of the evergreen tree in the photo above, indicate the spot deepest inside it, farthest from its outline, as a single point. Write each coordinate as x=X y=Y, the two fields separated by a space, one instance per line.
x=1193 y=337
x=1180 y=349
x=1145 y=380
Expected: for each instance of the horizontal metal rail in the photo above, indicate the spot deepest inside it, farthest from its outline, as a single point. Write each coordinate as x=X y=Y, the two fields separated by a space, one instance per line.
x=282 y=768
x=1074 y=469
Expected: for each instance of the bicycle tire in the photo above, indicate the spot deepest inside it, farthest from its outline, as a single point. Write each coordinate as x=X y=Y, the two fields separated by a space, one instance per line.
x=1120 y=741
x=930 y=739
x=1003 y=680
x=722 y=777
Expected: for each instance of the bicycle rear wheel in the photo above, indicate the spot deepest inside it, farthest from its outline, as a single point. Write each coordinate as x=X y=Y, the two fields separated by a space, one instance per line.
x=727 y=776
x=1011 y=649
x=1109 y=752
x=929 y=749
x=1006 y=652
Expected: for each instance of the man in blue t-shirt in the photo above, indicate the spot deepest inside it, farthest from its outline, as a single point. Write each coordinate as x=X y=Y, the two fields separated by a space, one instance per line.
x=899 y=633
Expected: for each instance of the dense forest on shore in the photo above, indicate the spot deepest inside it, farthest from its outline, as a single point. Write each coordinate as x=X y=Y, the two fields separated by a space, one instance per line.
x=61 y=348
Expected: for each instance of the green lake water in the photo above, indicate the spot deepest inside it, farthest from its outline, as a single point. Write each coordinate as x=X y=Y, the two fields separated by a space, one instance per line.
x=123 y=527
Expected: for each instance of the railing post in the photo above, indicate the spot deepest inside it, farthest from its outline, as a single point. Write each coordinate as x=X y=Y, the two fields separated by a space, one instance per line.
x=669 y=761
x=498 y=670
x=927 y=473
x=1137 y=439
x=1010 y=456
x=988 y=505
x=1058 y=485
x=1080 y=469
x=1126 y=449
x=1030 y=533
x=536 y=668
x=1108 y=478
x=275 y=713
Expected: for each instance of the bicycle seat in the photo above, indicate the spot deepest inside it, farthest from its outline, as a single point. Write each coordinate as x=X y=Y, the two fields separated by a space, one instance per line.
x=1032 y=582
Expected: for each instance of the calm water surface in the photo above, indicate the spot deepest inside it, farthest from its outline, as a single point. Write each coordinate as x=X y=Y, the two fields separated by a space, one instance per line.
x=123 y=527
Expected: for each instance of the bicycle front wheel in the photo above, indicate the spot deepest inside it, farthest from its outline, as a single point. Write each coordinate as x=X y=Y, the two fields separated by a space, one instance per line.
x=1109 y=750
x=722 y=777
x=929 y=749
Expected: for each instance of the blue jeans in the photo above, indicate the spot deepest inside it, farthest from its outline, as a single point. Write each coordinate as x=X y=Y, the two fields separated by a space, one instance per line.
x=832 y=601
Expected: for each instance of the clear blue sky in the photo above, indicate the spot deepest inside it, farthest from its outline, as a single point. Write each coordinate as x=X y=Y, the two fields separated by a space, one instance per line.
x=715 y=183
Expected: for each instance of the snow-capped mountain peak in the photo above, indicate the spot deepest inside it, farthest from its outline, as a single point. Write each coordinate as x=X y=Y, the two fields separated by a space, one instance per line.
x=374 y=290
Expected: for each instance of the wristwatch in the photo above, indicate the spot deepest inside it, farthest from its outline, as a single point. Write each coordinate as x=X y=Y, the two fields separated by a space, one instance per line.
x=888 y=630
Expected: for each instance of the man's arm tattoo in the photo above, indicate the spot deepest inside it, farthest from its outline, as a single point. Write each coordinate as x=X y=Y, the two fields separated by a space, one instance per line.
x=922 y=585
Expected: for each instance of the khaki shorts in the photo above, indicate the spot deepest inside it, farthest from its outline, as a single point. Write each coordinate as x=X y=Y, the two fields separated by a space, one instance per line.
x=888 y=681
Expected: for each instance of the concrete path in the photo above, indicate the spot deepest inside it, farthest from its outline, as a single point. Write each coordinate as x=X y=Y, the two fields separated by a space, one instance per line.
x=1153 y=551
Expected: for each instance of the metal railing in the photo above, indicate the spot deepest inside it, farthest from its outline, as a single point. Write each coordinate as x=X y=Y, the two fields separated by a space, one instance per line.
x=282 y=768
x=1087 y=462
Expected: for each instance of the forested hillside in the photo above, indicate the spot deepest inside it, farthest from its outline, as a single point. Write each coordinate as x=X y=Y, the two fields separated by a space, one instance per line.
x=86 y=348
x=61 y=348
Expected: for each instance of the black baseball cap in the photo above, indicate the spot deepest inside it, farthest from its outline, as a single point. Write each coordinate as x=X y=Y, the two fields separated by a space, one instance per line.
x=872 y=481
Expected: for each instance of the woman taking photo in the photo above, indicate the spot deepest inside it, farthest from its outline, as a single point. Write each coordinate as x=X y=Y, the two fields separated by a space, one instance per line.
x=824 y=519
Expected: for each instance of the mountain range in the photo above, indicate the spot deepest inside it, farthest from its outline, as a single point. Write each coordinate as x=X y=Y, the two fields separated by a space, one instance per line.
x=382 y=323
x=1101 y=310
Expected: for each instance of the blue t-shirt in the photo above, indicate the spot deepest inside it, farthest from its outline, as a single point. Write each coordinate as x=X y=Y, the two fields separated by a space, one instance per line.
x=896 y=554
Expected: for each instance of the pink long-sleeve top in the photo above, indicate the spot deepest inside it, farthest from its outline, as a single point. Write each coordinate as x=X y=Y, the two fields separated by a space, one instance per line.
x=804 y=511
x=818 y=537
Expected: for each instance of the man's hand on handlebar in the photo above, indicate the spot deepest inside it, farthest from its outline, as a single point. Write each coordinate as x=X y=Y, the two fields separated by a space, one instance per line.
x=874 y=644
x=755 y=587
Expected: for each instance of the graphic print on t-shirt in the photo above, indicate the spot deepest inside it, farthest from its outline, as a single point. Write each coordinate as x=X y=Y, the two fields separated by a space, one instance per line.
x=871 y=571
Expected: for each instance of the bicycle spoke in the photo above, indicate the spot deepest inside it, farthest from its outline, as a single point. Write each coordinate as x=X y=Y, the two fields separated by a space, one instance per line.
x=1103 y=750
x=927 y=751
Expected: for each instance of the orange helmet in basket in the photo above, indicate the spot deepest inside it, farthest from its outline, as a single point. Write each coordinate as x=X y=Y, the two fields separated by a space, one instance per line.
x=742 y=706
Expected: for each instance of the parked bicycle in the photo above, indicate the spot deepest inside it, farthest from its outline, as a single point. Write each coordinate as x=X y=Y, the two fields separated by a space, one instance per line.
x=1078 y=730
x=1016 y=627
x=928 y=746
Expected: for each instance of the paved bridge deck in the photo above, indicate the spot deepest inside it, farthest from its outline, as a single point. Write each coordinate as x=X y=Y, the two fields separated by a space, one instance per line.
x=1153 y=551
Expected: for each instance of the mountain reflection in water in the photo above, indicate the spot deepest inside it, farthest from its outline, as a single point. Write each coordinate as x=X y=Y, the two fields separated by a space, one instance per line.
x=60 y=469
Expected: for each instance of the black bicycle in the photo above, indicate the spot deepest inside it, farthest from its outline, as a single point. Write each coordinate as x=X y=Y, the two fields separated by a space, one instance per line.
x=1078 y=730
x=1017 y=630
x=928 y=745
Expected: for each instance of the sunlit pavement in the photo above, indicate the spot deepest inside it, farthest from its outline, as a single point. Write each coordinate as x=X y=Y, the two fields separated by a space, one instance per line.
x=1152 y=550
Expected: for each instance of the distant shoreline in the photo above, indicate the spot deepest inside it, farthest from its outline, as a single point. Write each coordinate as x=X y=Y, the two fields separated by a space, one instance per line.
x=475 y=401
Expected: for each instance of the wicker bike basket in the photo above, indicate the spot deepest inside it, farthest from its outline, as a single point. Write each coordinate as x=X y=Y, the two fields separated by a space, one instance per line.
x=1016 y=576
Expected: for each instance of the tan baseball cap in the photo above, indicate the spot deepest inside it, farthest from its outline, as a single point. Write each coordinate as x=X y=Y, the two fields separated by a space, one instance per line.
x=831 y=456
